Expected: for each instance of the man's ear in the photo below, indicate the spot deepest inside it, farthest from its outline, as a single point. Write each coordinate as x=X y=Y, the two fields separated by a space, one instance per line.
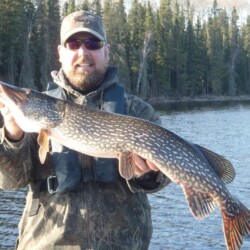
x=107 y=50
x=59 y=47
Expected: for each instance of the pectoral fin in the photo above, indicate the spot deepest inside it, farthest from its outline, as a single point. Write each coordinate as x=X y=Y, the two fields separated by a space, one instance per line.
x=126 y=167
x=43 y=141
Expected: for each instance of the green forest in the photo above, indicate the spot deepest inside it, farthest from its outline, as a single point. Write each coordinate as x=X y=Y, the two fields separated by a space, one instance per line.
x=167 y=50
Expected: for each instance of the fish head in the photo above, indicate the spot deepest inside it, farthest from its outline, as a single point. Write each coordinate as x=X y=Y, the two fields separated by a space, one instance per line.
x=31 y=109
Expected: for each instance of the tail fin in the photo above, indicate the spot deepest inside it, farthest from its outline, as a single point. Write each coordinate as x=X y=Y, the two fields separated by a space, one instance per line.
x=235 y=227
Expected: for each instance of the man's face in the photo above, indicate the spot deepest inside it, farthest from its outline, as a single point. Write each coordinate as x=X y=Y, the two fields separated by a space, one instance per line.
x=84 y=68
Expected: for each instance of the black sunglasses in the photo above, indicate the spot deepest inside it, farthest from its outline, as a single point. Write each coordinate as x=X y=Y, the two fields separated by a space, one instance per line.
x=90 y=44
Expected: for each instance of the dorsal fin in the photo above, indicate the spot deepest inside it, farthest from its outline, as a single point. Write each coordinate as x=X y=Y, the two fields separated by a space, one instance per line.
x=221 y=165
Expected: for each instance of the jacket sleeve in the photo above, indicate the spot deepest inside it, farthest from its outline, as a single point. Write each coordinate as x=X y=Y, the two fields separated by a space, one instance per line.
x=152 y=181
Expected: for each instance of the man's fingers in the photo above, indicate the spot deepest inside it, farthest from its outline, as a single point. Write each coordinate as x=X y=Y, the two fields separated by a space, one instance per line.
x=6 y=114
x=12 y=129
x=4 y=110
x=140 y=162
x=142 y=166
x=152 y=165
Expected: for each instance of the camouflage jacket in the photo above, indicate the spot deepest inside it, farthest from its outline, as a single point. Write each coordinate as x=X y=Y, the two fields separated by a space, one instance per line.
x=99 y=214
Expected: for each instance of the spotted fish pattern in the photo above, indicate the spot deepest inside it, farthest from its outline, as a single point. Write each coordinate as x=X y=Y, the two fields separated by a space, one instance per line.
x=201 y=173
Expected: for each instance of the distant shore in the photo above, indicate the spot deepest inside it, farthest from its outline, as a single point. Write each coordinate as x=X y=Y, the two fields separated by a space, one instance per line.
x=170 y=104
x=206 y=98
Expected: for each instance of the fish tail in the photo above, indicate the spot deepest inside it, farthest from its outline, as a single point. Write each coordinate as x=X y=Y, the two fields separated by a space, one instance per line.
x=236 y=226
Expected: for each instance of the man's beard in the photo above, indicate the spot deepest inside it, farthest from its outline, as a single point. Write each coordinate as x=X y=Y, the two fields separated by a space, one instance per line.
x=84 y=81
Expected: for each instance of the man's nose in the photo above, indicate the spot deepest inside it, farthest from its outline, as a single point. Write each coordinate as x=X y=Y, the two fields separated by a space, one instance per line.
x=82 y=51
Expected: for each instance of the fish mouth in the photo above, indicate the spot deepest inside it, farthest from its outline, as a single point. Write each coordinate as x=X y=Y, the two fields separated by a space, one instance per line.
x=16 y=94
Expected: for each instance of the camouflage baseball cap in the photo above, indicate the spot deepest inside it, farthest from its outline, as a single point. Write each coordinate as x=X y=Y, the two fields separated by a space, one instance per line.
x=82 y=21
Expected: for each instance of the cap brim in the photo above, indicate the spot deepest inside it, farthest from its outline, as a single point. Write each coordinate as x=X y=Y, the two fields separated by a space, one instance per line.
x=77 y=30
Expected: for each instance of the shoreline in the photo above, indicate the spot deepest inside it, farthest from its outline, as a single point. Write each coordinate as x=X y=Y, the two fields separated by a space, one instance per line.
x=206 y=98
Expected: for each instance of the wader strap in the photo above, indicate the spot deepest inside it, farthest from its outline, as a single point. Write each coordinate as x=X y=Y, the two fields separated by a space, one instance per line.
x=35 y=204
x=112 y=99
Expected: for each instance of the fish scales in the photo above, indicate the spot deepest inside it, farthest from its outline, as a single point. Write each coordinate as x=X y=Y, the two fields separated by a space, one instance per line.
x=202 y=174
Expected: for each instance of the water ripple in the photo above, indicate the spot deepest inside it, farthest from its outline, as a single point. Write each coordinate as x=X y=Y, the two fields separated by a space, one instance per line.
x=225 y=131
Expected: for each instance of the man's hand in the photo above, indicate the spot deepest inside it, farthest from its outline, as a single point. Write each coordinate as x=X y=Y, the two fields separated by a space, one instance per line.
x=12 y=130
x=132 y=165
x=142 y=166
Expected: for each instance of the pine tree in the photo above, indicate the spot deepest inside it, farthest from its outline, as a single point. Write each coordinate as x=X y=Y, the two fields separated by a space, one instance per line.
x=148 y=82
x=177 y=57
x=244 y=66
x=159 y=69
x=164 y=47
x=223 y=20
x=201 y=59
x=26 y=73
x=215 y=51
x=13 y=33
x=115 y=21
x=71 y=7
x=136 y=24
x=54 y=24
x=234 y=51
x=189 y=85
x=85 y=5
x=45 y=41
x=96 y=7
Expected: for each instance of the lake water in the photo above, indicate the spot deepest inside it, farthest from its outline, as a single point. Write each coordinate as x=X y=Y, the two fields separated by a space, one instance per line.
x=225 y=130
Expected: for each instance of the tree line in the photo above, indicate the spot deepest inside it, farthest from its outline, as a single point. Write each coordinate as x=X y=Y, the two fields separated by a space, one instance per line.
x=167 y=50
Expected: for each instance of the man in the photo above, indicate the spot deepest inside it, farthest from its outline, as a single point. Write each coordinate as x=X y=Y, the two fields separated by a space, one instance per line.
x=76 y=201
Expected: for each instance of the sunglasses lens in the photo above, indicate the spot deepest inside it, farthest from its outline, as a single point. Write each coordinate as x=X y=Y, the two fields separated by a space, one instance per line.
x=73 y=44
x=93 y=44
x=90 y=44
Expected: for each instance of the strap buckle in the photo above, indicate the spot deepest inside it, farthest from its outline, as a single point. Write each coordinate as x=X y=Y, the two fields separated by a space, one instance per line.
x=52 y=184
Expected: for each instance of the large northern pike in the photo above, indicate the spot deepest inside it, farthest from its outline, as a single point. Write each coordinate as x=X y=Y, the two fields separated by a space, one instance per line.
x=202 y=174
